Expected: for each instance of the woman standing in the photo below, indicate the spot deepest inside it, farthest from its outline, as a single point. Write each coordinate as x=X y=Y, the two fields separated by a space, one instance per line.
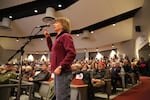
x=62 y=55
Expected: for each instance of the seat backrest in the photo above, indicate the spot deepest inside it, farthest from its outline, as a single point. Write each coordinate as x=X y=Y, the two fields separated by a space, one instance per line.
x=44 y=88
x=5 y=93
x=47 y=89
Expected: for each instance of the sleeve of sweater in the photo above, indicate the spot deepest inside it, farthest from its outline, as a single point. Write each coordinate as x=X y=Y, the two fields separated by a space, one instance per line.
x=41 y=77
x=49 y=43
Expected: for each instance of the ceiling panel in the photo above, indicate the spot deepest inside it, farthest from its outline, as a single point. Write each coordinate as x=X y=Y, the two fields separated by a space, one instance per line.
x=82 y=13
x=11 y=3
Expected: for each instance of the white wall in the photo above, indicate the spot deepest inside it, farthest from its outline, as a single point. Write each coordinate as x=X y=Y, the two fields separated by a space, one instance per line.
x=5 y=55
x=142 y=19
x=126 y=48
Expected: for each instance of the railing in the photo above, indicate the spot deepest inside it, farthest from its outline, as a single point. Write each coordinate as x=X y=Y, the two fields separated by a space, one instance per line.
x=5 y=89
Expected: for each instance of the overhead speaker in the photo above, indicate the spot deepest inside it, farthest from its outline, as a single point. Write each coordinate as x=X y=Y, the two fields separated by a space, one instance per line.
x=138 y=28
x=85 y=34
x=50 y=15
x=5 y=23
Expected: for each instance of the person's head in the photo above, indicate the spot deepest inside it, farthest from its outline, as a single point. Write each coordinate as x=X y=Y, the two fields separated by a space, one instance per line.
x=76 y=66
x=85 y=67
x=101 y=65
x=44 y=67
x=62 y=24
x=8 y=67
x=133 y=64
x=125 y=62
x=28 y=68
x=1 y=69
x=117 y=64
x=23 y=68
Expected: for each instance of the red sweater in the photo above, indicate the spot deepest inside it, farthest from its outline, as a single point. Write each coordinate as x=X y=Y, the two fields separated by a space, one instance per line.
x=62 y=51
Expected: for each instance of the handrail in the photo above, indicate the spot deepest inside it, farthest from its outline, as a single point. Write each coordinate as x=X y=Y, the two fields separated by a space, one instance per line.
x=23 y=83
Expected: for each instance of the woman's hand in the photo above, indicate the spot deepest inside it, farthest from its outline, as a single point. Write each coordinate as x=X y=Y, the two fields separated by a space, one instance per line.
x=57 y=71
x=46 y=33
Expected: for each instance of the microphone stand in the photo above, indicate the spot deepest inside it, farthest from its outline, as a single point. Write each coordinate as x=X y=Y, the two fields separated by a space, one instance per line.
x=21 y=63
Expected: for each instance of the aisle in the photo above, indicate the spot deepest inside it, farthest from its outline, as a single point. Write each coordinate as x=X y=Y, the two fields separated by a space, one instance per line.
x=140 y=92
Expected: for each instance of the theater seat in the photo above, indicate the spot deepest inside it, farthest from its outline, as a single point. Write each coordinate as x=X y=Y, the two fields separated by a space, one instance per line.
x=5 y=93
x=47 y=90
x=106 y=88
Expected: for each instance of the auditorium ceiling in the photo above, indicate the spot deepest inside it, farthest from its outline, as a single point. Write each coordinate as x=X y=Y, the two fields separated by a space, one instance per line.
x=108 y=22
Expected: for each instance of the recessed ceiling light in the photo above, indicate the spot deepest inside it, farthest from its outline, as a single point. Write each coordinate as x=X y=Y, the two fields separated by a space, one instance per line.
x=85 y=50
x=36 y=11
x=17 y=40
x=10 y=16
x=114 y=24
x=59 y=5
x=78 y=35
x=92 y=32
x=112 y=46
x=97 y=49
x=45 y=52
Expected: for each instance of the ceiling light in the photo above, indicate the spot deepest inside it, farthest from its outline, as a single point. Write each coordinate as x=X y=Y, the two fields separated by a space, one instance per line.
x=92 y=32
x=36 y=11
x=114 y=24
x=45 y=52
x=50 y=15
x=85 y=50
x=78 y=35
x=112 y=46
x=17 y=40
x=10 y=17
x=59 y=5
x=97 y=49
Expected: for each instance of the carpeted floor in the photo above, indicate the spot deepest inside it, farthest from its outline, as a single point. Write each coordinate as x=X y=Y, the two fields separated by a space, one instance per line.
x=140 y=92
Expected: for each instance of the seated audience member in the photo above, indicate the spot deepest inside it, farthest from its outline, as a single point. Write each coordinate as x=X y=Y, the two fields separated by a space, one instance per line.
x=135 y=71
x=127 y=66
x=6 y=74
x=2 y=70
x=142 y=66
x=82 y=76
x=42 y=76
x=114 y=73
x=99 y=75
x=27 y=73
x=87 y=79
x=128 y=72
x=77 y=74
x=36 y=69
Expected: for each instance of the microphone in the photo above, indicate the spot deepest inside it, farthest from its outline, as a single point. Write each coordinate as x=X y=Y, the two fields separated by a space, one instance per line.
x=42 y=26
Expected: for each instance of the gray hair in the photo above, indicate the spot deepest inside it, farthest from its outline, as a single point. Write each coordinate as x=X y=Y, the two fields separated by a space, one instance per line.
x=65 y=23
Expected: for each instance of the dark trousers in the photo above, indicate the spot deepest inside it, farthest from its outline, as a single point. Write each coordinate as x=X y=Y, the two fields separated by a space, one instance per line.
x=114 y=83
